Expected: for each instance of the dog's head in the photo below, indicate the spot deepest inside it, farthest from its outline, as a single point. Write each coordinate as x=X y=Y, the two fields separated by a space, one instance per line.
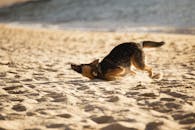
x=88 y=70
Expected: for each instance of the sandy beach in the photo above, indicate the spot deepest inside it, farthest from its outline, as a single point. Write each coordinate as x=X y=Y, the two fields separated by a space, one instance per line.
x=39 y=91
x=4 y=3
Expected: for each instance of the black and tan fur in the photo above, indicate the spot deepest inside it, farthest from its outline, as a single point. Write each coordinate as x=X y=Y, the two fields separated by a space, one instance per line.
x=118 y=62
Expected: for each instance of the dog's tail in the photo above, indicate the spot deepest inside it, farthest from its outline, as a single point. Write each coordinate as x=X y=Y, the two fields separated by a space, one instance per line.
x=149 y=44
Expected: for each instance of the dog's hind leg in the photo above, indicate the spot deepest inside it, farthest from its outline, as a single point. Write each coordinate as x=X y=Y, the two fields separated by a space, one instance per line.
x=130 y=71
x=138 y=61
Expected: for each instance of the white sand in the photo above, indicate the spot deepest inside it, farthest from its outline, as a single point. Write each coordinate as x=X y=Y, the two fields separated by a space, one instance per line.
x=39 y=91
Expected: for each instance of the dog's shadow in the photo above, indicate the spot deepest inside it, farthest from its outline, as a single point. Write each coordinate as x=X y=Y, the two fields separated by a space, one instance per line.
x=83 y=82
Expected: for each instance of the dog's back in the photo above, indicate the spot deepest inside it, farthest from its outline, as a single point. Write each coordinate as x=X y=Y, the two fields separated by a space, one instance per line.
x=119 y=56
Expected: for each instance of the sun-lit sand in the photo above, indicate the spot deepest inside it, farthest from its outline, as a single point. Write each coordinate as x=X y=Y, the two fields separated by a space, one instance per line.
x=39 y=91
x=10 y=2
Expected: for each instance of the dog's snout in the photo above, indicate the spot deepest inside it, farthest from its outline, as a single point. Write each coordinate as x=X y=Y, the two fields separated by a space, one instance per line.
x=76 y=68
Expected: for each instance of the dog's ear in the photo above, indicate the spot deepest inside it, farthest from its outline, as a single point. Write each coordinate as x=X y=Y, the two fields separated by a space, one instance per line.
x=95 y=62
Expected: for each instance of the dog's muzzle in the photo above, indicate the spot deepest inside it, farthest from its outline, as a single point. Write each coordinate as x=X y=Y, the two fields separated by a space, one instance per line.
x=76 y=68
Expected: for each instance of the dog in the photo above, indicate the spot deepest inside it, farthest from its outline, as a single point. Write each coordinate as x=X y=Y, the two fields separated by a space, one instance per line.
x=118 y=62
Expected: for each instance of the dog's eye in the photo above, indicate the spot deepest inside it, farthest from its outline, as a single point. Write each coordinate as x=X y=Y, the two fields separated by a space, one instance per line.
x=94 y=73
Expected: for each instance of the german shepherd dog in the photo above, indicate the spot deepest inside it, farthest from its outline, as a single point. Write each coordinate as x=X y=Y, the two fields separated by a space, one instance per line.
x=118 y=62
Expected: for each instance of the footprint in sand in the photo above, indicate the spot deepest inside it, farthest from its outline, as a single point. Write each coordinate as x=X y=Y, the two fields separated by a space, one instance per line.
x=58 y=126
x=17 y=76
x=187 y=118
x=3 y=74
x=37 y=74
x=103 y=119
x=83 y=88
x=41 y=111
x=113 y=99
x=2 y=117
x=42 y=99
x=15 y=116
x=172 y=105
x=50 y=70
x=12 y=87
x=30 y=113
x=60 y=99
x=41 y=78
x=12 y=81
x=117 y=126
x=16 y=99
x=57 y=97
x=152 y=95
x=138 y=87
x=131 y=94
x=177 y=95
x=27 y=80
x=17 y=91
x=158 y=106
x=167 y=99
x=92 y=92
x=30 y=85
x=189 y=76
x=65 y=115
x=153 y=125
x=19 y=108
x=107 y=92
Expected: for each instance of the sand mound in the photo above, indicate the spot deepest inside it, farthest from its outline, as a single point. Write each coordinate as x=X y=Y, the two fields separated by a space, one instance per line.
x=39 y=91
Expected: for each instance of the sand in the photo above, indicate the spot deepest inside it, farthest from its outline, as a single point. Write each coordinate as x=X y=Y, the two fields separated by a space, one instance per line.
x=10 y=2
x=39 y=91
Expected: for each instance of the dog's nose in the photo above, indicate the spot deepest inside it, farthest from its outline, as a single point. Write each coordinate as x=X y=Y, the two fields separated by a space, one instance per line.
x=76 y=68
